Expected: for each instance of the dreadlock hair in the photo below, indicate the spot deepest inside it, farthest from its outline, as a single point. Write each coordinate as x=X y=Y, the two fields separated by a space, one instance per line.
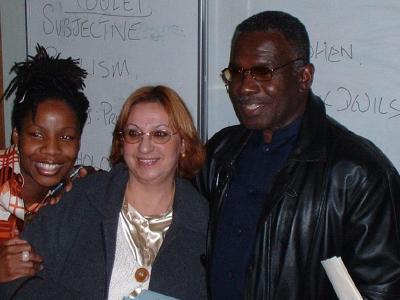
x=290 y=27
x=41 y=78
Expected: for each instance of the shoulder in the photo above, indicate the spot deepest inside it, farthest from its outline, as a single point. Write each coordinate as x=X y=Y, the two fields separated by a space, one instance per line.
x=191 y=207
x=90 y=200
x=225 y=144
x=342 y=146
x=100 y=180
x=192 y=196
x=87 y=192
x=9 y=159
x=227 y=135
x=356 y=151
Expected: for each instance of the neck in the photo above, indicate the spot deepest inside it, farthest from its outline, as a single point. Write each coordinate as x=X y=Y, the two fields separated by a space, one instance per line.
x=267 y=136
x=32 y=194
x=268 y=133
x=150 y=200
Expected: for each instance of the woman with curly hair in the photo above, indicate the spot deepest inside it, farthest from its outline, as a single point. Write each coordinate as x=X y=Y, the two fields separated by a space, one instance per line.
x=49 y=113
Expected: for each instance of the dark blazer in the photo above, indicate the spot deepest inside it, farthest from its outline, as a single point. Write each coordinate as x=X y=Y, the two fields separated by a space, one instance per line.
x=77 y=241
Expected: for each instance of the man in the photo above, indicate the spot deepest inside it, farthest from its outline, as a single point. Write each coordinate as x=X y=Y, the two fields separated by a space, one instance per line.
x=290 y=187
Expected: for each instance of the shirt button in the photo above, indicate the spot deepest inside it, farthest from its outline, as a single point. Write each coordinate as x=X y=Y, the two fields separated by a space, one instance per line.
x=250 y=189
x=141 y=274
x=239 y=231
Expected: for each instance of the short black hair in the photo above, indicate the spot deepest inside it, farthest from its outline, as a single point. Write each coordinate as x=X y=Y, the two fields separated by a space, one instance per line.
x=290 y=27
x=41 y=78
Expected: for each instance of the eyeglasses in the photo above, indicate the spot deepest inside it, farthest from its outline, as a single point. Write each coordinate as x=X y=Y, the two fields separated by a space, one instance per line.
x=260 y=73
x=135 y=135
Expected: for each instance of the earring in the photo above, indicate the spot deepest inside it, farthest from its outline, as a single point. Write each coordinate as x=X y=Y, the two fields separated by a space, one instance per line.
x=183 y=154
x=227 y=88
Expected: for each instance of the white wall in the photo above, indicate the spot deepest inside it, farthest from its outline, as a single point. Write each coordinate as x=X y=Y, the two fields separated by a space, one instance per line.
x=12 y=16
x=122 y=47
x=355 y=49
x=369 y=26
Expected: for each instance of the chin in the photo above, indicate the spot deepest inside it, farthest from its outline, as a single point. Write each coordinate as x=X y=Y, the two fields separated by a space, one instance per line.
x=48 y=182
x=254 y=125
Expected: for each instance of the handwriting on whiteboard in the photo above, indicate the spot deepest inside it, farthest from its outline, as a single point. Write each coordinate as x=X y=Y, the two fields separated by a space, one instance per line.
x=331 y=52
x=344 y=99
x=121 y=20
x=88 y=159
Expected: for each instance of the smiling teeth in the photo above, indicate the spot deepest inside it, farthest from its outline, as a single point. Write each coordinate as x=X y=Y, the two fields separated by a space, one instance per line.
x=253 y=106
x=47 y=166
x=147 y=161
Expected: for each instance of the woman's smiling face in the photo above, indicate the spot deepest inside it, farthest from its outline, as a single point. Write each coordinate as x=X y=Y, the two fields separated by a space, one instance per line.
x=48 y=144
x=148 y=161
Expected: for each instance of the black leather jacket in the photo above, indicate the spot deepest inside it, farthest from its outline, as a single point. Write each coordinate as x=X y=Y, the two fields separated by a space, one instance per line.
x=337 y=195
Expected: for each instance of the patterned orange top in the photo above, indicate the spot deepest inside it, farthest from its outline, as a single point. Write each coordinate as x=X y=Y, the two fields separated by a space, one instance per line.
x=12 y=208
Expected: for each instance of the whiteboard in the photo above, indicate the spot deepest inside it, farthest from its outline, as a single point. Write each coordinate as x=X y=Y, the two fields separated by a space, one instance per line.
x=123 y=45
x=355 y=47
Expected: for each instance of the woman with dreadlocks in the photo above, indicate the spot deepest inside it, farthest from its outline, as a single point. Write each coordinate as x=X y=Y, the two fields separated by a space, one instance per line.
x=49 y=113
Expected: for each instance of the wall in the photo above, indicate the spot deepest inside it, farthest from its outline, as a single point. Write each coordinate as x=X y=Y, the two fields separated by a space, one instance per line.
x=13 y=27
x=355 y=49
x=123 y=45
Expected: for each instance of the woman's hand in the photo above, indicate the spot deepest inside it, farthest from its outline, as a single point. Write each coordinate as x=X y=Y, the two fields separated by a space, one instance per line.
x=17 y=259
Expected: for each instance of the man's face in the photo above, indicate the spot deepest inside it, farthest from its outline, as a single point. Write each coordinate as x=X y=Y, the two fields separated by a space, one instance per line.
x=268 y=105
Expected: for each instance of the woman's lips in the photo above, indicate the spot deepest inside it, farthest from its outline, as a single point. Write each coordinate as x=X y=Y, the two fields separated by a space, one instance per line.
x=48 y=169
x=147 y=161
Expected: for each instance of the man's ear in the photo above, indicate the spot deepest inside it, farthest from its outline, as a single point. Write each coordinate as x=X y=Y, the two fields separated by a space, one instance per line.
x=15 y=136
x=306 y=77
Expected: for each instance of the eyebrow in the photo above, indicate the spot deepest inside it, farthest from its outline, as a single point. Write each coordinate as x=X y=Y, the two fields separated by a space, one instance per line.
x=44 y=128
x=133 y=124
x=262 y=65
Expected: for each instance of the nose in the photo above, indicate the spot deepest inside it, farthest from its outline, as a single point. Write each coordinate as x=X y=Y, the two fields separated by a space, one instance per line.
x=248 y=85
x=51 y=146
x=145 y=144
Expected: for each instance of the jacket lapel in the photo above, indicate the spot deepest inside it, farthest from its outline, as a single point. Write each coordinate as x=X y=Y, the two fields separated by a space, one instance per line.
x=109 y=202
x=109 y=227
x=306 y=149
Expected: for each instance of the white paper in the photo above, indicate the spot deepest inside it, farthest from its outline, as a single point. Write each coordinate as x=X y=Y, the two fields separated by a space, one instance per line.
x=340 y=278
x=150 y=295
